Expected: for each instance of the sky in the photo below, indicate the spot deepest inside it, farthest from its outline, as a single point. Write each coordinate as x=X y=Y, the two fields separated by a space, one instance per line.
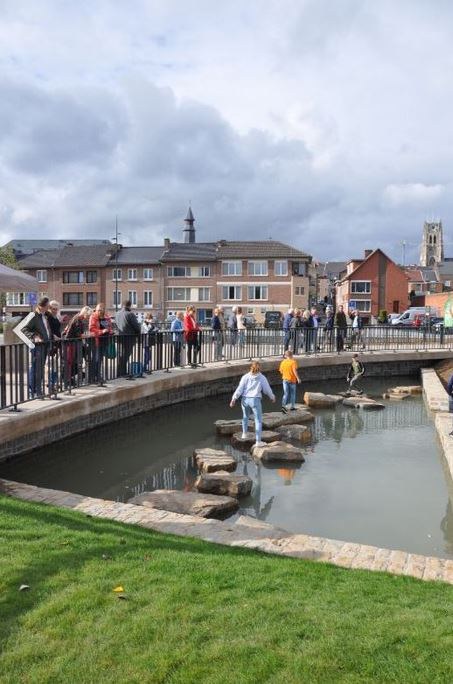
x=326 y=124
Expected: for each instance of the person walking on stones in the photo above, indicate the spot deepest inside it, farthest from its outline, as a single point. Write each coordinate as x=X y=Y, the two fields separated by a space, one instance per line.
x=290 y=379
x=249 y=391
x=342 y=328
x=191 y=332
x=177 y=338
x=39 y=332
x=129 y=330
x=355 y=372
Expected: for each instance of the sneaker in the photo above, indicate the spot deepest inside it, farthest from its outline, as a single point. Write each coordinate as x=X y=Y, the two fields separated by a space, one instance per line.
x=244 y=435
x=293 y=408
x=450 y=434
x=260 y=444
x=284 y=409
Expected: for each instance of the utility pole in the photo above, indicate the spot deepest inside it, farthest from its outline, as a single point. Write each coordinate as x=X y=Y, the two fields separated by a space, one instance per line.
x=116 y=262
x=403 y=252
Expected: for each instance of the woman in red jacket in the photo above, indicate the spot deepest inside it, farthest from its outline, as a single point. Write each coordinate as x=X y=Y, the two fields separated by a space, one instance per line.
x=191 y=332
x=100 y=328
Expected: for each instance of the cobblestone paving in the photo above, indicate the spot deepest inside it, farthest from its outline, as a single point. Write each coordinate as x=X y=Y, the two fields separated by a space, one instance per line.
x=245 y=532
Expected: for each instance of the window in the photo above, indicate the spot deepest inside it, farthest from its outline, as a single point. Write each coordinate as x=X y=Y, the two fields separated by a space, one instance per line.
x=363 y=305
x=72 y=298
x=231 y=292
x=41 y=276
x=117 y=274
x=147 y=274
x=132 y=296
x=360 y=287
x=299 y=268
x=179 y=271
x=280 y=268
x=232 y=268
x=92 y=298
x=299 y=290
x=73 y=276
x=257 y=268
x=203 y=271
x=92 y=276
x=257 y=292
x=16 y=299
x=204 y=294
x=117 y=298
x=178 y=294
x=148 y=299
x=132 y=274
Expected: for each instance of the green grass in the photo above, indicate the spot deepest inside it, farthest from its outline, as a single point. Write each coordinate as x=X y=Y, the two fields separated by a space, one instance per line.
x=197 y=612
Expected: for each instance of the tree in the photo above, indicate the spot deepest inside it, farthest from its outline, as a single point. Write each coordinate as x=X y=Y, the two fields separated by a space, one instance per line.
x=8 y=258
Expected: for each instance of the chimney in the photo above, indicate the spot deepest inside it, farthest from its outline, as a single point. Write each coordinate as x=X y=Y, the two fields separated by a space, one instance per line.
x=167 y=243
x=368 y=252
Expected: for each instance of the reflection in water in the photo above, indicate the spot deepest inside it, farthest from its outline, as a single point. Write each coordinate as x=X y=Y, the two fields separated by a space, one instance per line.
x=366 y=478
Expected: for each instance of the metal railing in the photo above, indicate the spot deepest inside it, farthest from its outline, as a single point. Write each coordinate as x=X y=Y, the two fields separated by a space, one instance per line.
x=55 y=368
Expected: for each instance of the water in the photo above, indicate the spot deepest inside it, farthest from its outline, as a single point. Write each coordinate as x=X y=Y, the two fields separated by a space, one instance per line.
x=371 y=477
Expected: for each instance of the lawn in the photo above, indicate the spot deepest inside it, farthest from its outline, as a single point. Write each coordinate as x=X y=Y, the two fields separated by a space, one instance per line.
x=196 y=612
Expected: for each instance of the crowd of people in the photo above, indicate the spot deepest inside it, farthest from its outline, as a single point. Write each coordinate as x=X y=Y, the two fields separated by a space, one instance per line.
x=77 y=350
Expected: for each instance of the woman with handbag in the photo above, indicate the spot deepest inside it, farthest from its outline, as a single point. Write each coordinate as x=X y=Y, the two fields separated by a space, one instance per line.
x=74 y=350
x=100 y=328
x=191 y=333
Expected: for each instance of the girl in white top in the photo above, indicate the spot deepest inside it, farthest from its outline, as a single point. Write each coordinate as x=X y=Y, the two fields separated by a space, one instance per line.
x=240 y=318
x=250 y=390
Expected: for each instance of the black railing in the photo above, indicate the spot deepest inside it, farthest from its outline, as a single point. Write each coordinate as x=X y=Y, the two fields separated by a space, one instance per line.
x=52 y=369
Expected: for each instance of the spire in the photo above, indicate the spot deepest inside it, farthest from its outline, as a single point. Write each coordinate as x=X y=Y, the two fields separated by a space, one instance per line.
x=189 y=230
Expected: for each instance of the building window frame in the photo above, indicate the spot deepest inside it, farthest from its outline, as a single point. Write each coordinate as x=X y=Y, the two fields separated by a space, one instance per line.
x=147 y=299
x=91 y=277
x=117 y=274
x=204 y=294
x=132 y=275
x=73 y=277
x=282 y=266
x=41 y=275
x=185 y=292
x=360 y=287
x=259 y=268
x=232 y=268
x=363 y=305
x=179 y=272
x=120 y=297
x=72 y=298
x=148 y=274
x=132 y=297
x=231 y=293
x=258 y=293
x=92 y=299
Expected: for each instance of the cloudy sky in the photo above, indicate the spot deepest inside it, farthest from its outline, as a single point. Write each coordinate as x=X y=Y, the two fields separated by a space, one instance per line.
x=324 y=123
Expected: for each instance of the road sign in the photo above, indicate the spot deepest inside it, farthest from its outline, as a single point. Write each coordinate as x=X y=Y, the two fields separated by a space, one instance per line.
x=21 y=335
x=32 y=298
x=352 y=304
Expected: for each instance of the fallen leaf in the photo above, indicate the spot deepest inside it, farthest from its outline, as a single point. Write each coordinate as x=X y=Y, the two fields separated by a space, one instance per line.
x=119 y=589
x=24 y=587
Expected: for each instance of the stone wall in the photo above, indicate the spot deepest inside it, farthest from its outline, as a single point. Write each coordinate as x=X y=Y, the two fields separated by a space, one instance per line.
x=41 y=423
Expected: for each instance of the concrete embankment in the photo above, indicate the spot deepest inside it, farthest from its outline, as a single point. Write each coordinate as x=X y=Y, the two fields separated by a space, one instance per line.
x=42 y=422
x=437 y=400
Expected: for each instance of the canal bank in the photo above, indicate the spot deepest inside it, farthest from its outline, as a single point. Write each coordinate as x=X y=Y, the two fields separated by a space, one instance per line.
x=43 y=422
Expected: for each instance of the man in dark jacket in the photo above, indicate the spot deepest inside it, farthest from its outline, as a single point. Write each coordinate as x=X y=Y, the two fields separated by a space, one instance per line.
x=129 y=330
x=38 y=331
x=342 y=328
x=287 y=318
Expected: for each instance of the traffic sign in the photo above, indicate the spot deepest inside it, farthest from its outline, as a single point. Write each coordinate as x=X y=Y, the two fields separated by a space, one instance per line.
x=21 y=335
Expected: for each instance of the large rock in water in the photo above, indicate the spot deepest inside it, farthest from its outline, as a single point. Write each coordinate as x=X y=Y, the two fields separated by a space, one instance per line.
x=249 y=440
x=190 y=503
x=210 y=460
x=278 y=452
x=224 y=483
x=406 y=389
x=299 y=433
x=320 y=400
x=274 y=419
x=229 y=427
x=364 y=403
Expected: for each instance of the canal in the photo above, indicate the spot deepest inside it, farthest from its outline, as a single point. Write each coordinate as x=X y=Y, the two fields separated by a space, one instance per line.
x=370 y=477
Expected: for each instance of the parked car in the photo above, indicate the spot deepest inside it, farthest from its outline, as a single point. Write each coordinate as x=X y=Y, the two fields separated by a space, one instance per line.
x=273 y=320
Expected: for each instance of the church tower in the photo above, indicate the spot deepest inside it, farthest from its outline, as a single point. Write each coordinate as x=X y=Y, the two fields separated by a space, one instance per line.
x=189 y=228
x=432 y=251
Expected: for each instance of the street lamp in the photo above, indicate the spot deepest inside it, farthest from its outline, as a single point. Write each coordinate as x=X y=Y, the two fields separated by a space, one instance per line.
x=115 y=239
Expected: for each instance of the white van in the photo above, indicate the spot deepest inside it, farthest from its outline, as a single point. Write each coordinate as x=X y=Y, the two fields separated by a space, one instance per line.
x=407 y=317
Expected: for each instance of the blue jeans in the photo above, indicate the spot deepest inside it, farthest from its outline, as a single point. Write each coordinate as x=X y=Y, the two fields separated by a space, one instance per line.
x=252 y=405
x=289 y=393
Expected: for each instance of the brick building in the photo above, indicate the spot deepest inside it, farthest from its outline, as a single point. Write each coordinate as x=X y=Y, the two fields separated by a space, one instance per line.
x=373 y=284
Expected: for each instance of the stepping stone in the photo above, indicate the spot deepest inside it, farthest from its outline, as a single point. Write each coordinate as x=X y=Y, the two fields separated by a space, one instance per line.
x=274 y=419
x=278 y=452
x=364 y=403
x=320 y=400
x=229 y=427
x=250 y=439
x=299 y=433
x=406 y=389
x=395 y=396
x=189 y=503
x=210 y=460
x=224 y=483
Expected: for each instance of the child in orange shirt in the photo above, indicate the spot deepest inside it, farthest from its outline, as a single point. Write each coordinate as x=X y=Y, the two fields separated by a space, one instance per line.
x=290 y=377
